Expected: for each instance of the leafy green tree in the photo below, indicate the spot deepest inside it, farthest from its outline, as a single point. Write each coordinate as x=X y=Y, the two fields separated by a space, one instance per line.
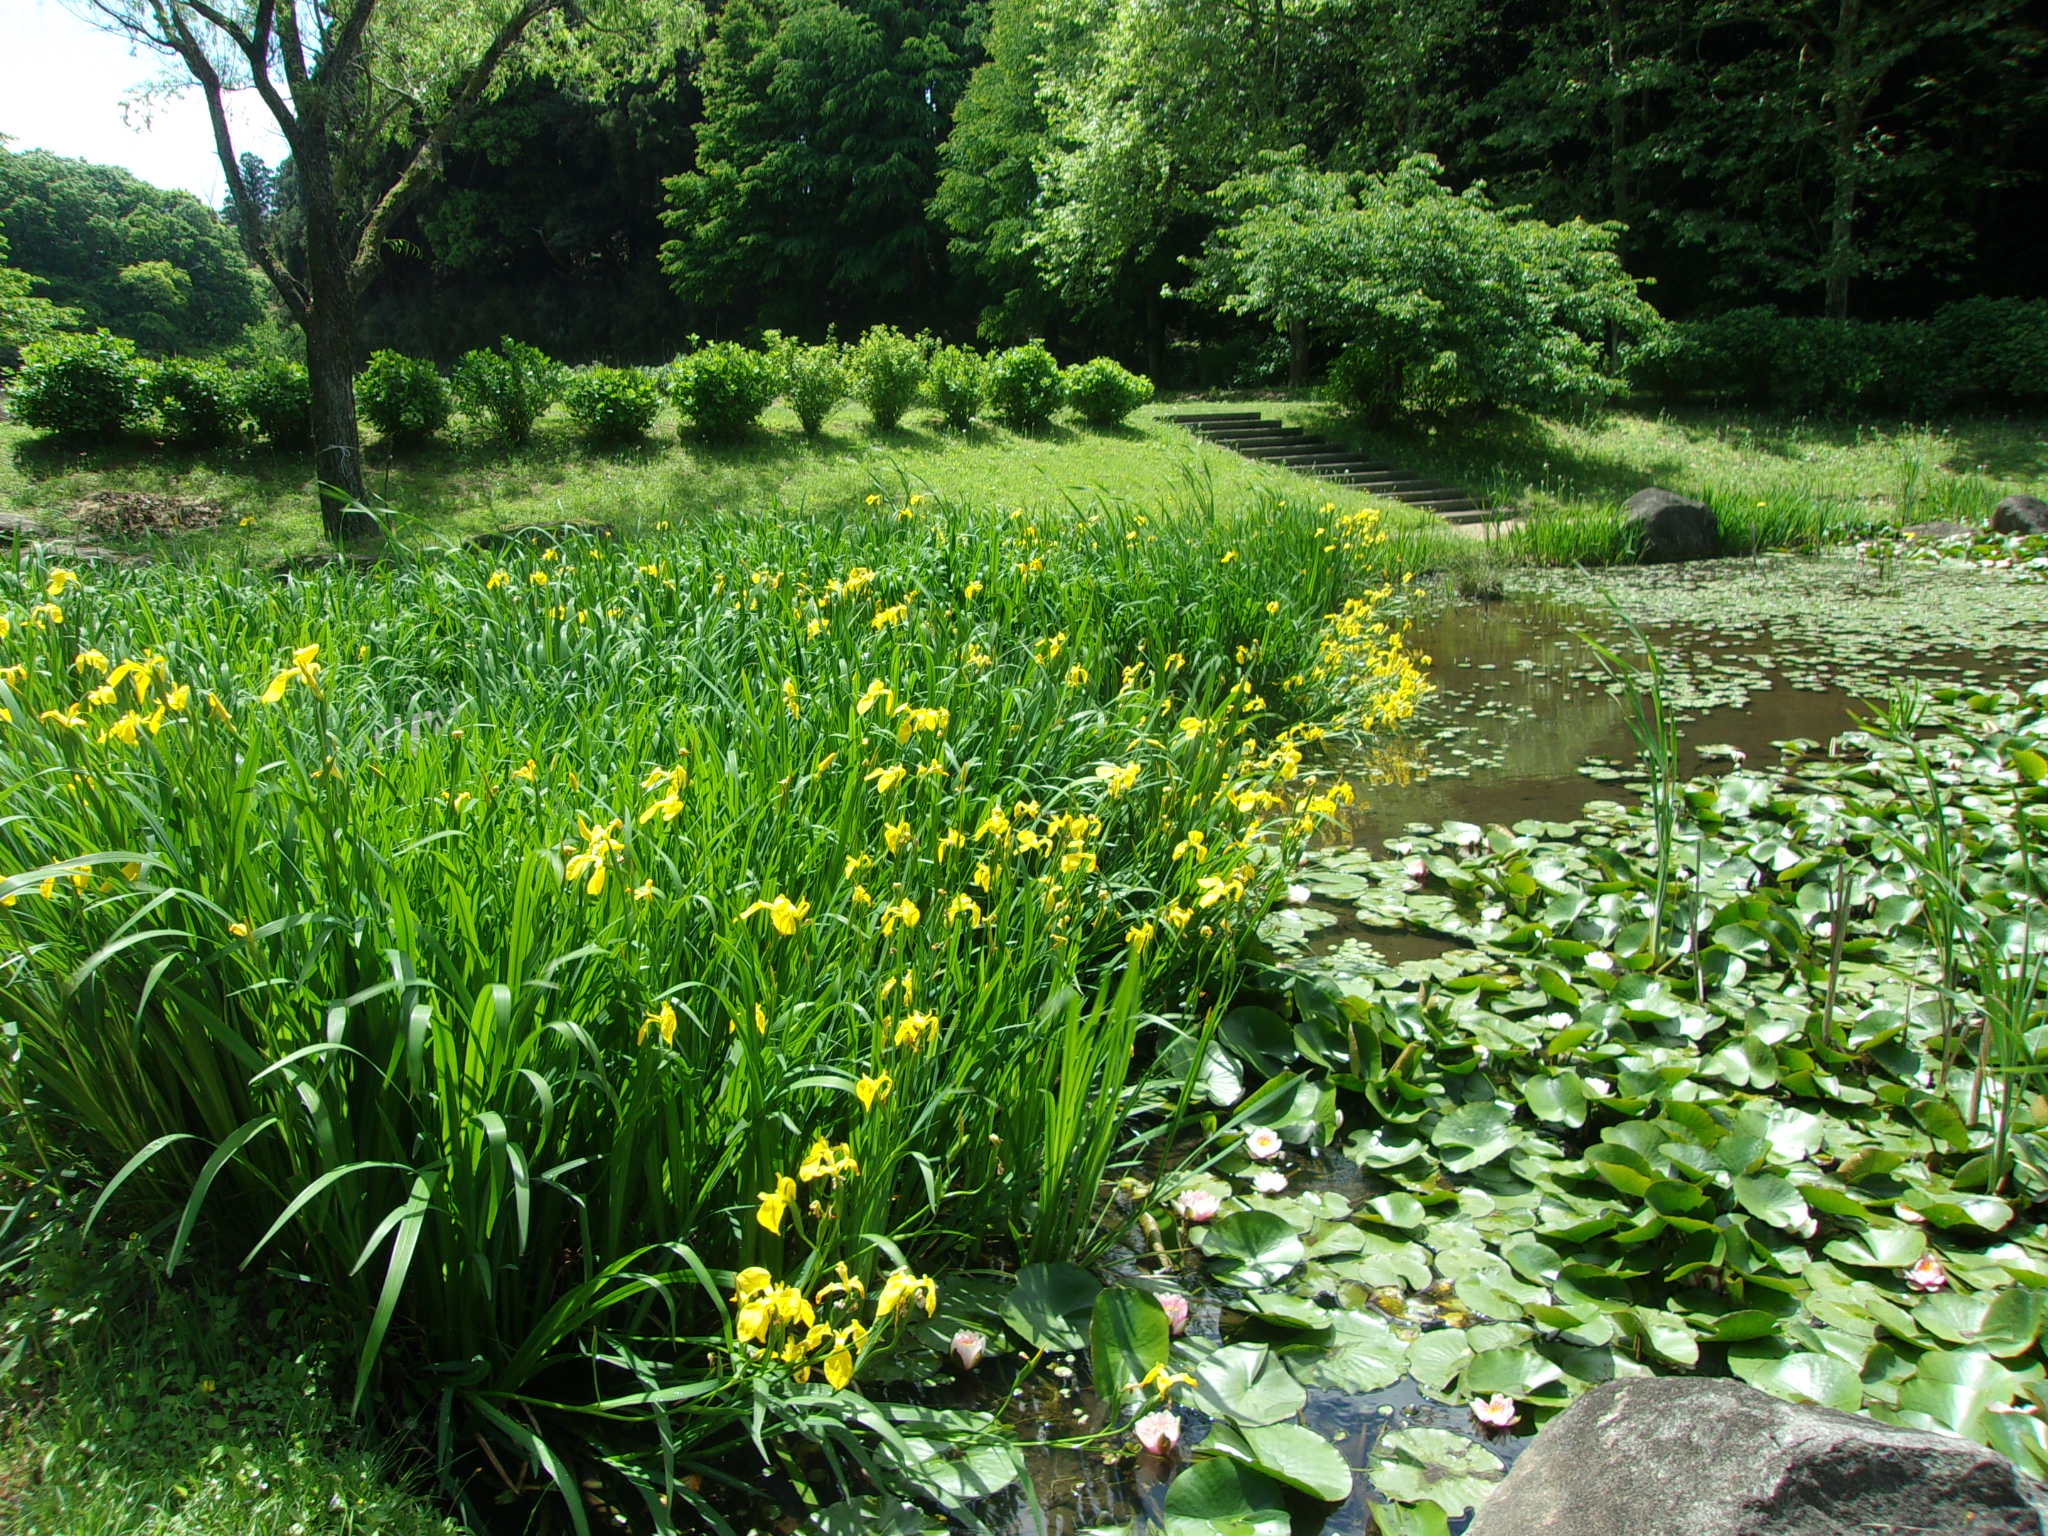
x=816 y=156
x=25 y=315
x=147 y=263
x=367 y=95
x=1445 y=298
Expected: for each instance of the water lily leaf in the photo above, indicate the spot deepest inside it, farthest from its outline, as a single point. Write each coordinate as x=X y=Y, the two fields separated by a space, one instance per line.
x=956 y=1470
x=1435 y=1359
x=1411 y=1465
x=1365 y=1355
x=1518 y=1371
x=1473 y=1135
x=1559 y=1100
x=2003 y=1325
x=1982 y=1212
x=1252 y=1249
x=1957 y=1389
x=1396 y=1210
x=1383 y=1147
x=1128 y=1336
x=1287 y=1453
x=1048 y=1308
x=1775 y=1199
x=1423 y=1519
x=1245 y=1384
x=1284 y=1311
x=1667 y=1334
x=2013 y=1322
x=1219 y=1496
x=1801 y=1376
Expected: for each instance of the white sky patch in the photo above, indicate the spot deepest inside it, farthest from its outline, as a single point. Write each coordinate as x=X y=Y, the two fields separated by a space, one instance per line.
x=73 y=89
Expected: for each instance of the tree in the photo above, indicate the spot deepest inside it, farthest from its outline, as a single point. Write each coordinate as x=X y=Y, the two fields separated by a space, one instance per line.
x=345 y=81
x=1445 y=298
x=816 y=156
x=25 y=316
x=147 y=263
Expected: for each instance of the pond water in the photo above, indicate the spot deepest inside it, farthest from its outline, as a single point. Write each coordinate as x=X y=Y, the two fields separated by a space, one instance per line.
x=1526 y=726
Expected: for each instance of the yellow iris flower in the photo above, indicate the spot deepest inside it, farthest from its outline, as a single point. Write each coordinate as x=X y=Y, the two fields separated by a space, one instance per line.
x=783 y=913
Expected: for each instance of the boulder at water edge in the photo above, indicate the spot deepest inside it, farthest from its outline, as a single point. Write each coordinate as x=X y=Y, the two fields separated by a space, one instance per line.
x=2020 y=514
x=1679 y=1457
x=1674 y=527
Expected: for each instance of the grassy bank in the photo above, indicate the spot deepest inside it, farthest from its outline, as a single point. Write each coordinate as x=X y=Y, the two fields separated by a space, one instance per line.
x=1777 y=483
x=472 y=484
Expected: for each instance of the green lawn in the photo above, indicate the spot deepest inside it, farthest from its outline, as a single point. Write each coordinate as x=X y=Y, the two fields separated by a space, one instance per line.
x=471 y=484
x=1886 y=470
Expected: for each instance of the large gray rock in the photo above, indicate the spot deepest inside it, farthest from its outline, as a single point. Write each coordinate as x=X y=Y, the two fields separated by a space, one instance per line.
x=1675 y=1457
x=1674 y=526
x=2020 y=514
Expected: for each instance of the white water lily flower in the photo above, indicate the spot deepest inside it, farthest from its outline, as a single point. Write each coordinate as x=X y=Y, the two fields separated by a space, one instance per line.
x=968 y=1348
x=1270 y=1181
x=1299 y=895
x=1496 y=1412
x=1196 y=1205
x=1262 y=1142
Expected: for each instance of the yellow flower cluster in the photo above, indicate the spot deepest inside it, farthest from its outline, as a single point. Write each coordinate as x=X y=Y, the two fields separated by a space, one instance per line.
x=822 y=1331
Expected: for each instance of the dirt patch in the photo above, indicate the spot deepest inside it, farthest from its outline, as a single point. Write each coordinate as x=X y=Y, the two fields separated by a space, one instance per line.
x=138 y=514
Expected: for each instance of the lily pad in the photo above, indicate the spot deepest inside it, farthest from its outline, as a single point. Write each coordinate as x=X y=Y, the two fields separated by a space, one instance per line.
x=1128 y=1338
x=1252 y=1249
x=1221 y=1496
x=1050 y=1305
x=1411 y=1465
x=1287 y=1453
x=1244 y=1384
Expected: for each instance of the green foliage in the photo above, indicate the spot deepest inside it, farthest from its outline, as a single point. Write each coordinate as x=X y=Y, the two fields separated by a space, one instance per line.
x=813 y=380
x=611 y=406
x=25 y=316
x=816 y=155
x=1452 y=300
x=887 y=369
x=1024 y=387
x=404 y=398
x=511 y=388
x=146 y=263
x=1799 y=363
x=721 y=389
x=1102 y=391
x=956 y=385
x=198 y=404
x=84 y=386
x=589 y=976
x=278 y=397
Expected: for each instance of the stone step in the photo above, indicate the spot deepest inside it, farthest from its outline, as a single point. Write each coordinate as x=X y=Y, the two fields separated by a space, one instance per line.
x=1200 y=418
x=1441 y=503
x=1465 y=518
x=1251 y=436
x=1380 y=482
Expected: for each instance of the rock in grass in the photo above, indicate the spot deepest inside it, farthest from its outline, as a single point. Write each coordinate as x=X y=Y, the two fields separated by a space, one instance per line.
x=1939 y=531
x=2020 y=514
x=1692 y=1457
x=1673 y=527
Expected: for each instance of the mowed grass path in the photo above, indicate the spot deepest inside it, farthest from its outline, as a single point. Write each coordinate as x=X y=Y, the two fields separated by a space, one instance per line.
x=469 y=483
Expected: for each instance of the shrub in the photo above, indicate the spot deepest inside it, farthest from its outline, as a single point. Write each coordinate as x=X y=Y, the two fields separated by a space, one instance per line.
x=812 y=379
x=512 y=387
x=1802 y=363
x=1358 y=380
x=278 y=397
x=611 y=405
x=956 y=385
x=196 y=402
x=1996 y=345
x=1024 y=387
x=78 y=386
x=404 y=398
x=722 y=389
x=887 y=368
x=1102 y=391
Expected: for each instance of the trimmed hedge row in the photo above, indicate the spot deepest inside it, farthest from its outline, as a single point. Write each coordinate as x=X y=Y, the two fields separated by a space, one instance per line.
x=93 y=387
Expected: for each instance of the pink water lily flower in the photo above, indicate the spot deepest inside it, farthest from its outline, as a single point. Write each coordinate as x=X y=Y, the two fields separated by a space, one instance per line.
x=1158 y=1432
x=1927 y=1274
x=1196 y=1205
x=1496 y=1412
x=968 y=1348
x=1262 y=1142
x=1175 y=1306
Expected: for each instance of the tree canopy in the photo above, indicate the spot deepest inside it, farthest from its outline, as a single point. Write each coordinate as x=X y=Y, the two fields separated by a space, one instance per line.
x=153 y=265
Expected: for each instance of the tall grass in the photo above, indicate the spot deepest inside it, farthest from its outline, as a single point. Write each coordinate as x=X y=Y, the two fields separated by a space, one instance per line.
x=622 y=974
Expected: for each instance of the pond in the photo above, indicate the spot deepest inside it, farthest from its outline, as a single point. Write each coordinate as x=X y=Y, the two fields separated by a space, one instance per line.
x=1524 y=731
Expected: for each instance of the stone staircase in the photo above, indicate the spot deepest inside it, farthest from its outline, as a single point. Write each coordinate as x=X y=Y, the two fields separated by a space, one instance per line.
x=1257 y=437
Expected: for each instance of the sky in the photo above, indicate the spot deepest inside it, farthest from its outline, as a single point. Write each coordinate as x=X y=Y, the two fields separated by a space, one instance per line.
x=70 y=88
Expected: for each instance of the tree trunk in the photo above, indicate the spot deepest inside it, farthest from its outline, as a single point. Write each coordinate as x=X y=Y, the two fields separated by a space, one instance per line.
x=1297 y=354
x=1617 y=115
x=330 y=325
